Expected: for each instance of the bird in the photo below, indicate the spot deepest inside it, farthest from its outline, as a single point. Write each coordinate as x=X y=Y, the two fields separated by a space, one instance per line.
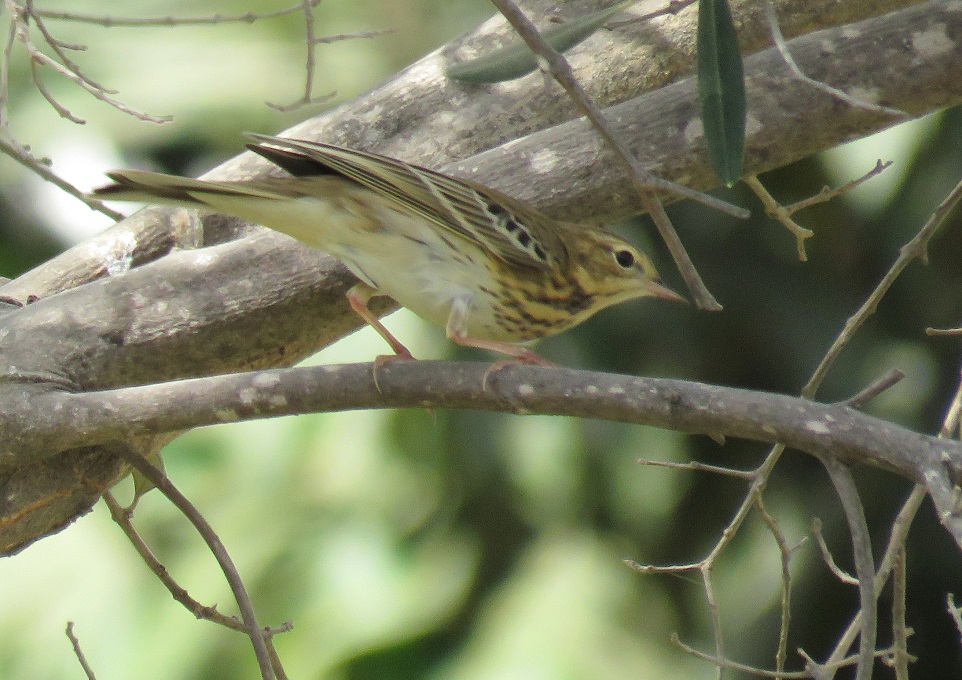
x=494 y=272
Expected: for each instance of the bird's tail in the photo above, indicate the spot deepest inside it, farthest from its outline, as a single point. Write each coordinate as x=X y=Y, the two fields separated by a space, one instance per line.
x=155 y=187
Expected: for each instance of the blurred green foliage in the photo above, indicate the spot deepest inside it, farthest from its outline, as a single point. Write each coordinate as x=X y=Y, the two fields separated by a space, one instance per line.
x=465 y=545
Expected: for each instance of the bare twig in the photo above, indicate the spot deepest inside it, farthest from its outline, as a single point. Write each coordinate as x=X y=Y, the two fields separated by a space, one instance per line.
x=916 y=248
x=775 y=210
x=88 y=671
x=41 y=167
x=784 y=213
x=861 y=400
x=21 y=15
x=897 y=538
x=827 y=670
x=5 y=74
x=782 y=48
x=109 y=21
x=122 y=517
x=252 y=628
x=900 y=632
x=723 y=662
x=827 y=556
x=312 y=41
x=828 y=193
x=785 y=552
x=847 y=492
x=953 y=416
x=699 y=467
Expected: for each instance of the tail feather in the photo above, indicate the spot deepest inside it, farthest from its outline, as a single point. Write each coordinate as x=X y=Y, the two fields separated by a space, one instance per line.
x=155 y=187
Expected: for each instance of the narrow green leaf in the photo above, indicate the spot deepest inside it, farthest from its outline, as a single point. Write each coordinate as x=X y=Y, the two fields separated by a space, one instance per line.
x=141 y=484
x=516 y=59
x=721 y=88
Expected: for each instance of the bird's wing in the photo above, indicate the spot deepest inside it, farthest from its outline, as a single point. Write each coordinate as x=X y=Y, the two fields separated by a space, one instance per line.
x=501 y=225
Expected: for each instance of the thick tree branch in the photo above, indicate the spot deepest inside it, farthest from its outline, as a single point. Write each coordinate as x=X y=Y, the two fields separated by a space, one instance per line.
x=61 y=420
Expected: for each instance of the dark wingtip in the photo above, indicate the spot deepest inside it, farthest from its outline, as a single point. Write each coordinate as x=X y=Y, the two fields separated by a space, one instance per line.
x=121 y=184
x=296 y=163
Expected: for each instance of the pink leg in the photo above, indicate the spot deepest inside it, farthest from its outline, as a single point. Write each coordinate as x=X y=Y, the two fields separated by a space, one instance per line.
x=517 y=355
x=457 y=323
x=358 y=298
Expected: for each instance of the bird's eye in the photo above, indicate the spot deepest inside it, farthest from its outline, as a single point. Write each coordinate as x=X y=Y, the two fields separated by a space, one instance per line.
x=625 y=258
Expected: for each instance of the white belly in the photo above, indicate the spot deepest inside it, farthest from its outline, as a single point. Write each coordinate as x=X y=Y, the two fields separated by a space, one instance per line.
x=413 y=266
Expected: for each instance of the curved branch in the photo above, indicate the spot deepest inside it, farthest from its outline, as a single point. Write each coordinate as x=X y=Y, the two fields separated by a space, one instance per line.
x=60 y=420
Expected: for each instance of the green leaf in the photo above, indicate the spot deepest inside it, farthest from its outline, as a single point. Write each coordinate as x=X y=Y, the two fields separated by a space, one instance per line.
x=516 y=59
x=721 y=88
x=141 y=484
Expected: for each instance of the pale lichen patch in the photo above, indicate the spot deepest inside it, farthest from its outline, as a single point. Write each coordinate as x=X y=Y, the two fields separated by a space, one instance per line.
x=932 y=42
x=544 y=161
x=818 y=427
x=871 y=95
x=694 y=131
x=265 y=380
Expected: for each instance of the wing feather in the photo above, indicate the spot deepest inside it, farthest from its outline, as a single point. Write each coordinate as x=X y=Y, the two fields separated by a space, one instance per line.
x=503 y=226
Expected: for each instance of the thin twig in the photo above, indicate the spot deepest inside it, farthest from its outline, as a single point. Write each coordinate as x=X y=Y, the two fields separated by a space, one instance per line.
x=916 y=248
x=900 y=632
x=5 y=70
x=847 y=491
x=122 y=516
x=307 y=8
x=20 y=18
x=783 y=213
x=252 y=627
x=775 y=210
x=783 y=50
x=723 y=662
x=699 y=467
x=88 y=671
x=59 y=50
x=862 y=399
x=785 y=552
x=842 y=575
x=22 y=155
x=110 y=21
x=900 y=530
x=953 y=416
x=312 y=42
x=828 y=193
x=827 y=670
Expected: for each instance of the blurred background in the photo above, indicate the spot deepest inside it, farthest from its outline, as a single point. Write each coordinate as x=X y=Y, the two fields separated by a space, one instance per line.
x=464 y=545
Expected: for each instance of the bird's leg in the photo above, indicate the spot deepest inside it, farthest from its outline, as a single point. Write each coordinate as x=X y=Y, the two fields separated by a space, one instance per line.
x=358 y=297
x=457 y=322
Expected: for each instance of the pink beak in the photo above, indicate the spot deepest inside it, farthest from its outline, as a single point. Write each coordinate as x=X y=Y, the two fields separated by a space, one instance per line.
x=664 y=292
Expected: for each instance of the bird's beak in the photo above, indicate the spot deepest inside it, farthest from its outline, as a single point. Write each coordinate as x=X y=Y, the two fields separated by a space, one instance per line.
x=664 y=292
